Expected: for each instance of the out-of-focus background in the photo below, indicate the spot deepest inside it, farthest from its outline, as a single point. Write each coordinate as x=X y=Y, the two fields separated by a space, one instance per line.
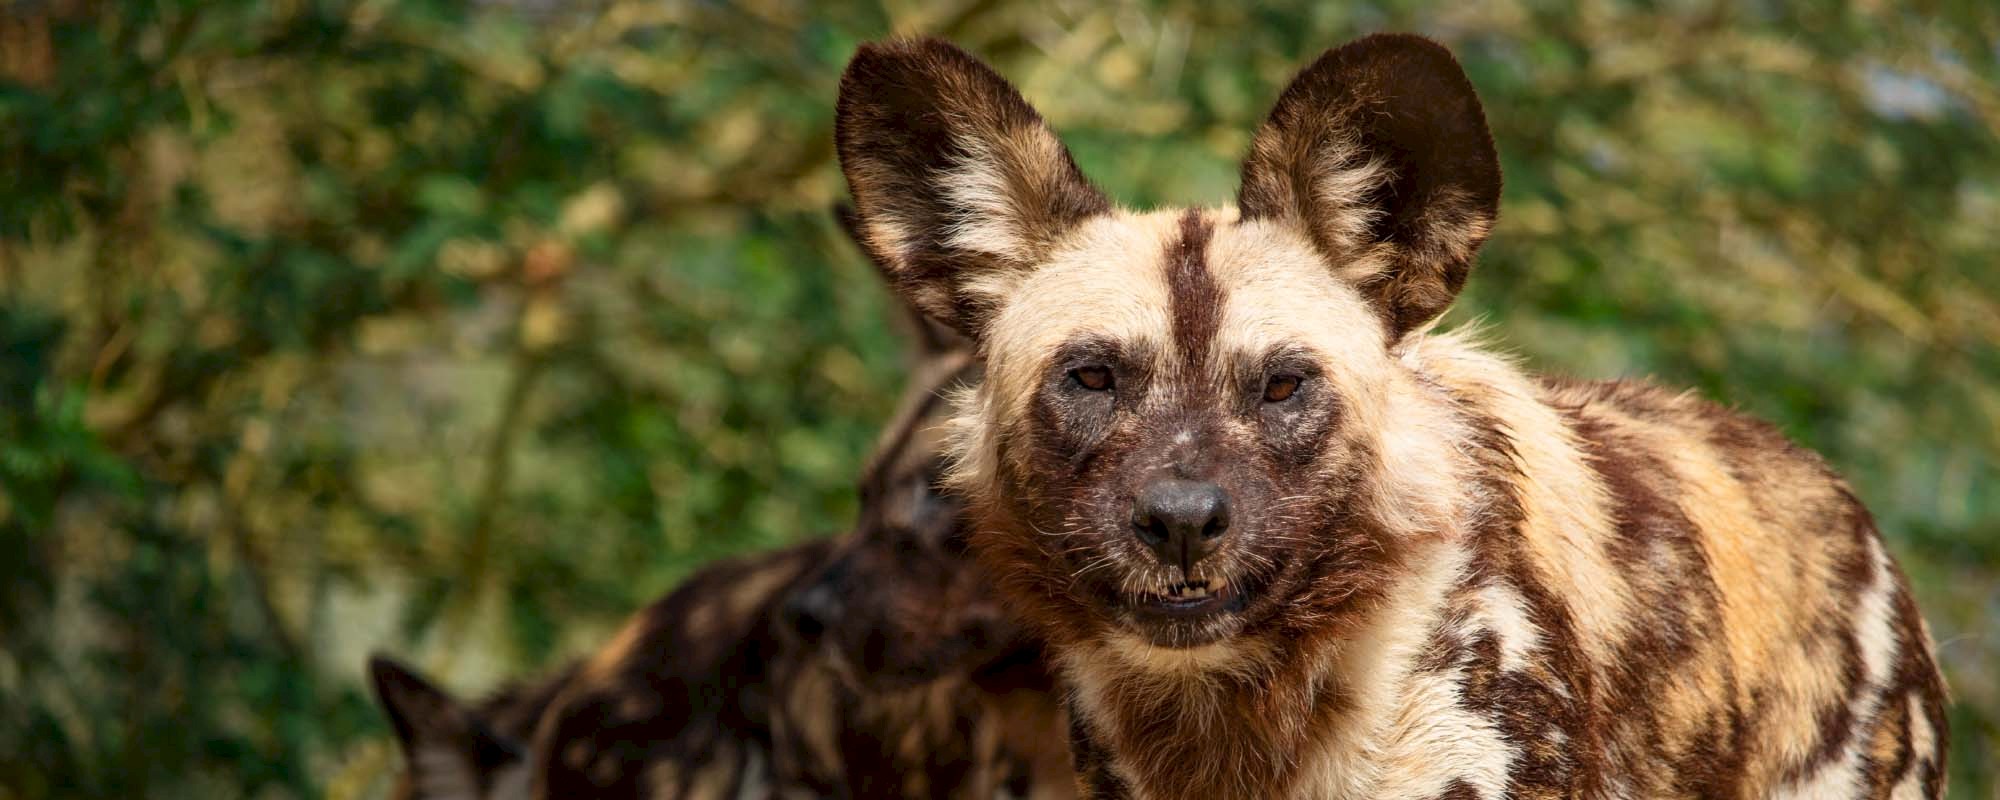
x=463 y=330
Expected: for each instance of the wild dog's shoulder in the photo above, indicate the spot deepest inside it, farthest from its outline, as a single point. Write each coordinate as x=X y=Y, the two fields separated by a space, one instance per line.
x=1708 y=441
x=1639 y=404
x=1764 y=577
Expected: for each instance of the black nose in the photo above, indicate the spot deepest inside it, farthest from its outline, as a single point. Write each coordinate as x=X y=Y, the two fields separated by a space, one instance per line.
x=1182 y=522
x=808 y=611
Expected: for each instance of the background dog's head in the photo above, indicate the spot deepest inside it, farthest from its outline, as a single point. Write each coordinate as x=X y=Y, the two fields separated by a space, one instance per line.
x=902 y=601
x=1193 y=423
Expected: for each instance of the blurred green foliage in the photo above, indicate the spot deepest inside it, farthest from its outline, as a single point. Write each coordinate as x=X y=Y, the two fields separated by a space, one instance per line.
x=462 y=331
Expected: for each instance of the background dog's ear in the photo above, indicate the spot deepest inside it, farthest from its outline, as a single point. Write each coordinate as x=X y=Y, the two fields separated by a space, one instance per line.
x=929 y=338
x=957 y=182
x=1379 y=151
x=446 y=746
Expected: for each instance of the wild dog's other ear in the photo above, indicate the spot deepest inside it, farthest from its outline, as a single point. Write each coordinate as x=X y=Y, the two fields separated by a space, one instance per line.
x=930 y=338
x=957 y=182
x=1380 y=152
x=450 y=750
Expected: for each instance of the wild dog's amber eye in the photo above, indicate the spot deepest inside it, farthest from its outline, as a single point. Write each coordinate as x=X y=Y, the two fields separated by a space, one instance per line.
x=1280 y=387
x=1096 y=379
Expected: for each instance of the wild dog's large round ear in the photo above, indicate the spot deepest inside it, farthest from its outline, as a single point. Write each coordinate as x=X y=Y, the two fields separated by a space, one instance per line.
x=958 y=184
x=1380 y=152
x=929 y=338
x=429 y=721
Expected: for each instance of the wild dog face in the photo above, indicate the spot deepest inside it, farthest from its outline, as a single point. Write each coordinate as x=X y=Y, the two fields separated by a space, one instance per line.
x=901 y=601
x=874 y=664
x=1190 y=425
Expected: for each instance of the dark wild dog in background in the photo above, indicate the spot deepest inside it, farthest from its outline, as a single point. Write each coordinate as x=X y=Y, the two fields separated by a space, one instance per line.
x=733 y=685
x=715 y=691
x=1284 y=540
x=897 y=606
x=704 y=728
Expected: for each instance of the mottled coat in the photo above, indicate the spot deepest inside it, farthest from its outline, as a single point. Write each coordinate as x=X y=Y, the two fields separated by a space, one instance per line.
x=705 y=695
x=1389 y=563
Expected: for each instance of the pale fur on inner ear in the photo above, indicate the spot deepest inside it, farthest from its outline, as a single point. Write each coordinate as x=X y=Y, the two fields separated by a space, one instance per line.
x=1459 y=239
x=1344 y=180
x=987 y=189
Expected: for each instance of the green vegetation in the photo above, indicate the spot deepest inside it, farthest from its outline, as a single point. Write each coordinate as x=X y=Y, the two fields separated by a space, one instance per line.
x=326 y=327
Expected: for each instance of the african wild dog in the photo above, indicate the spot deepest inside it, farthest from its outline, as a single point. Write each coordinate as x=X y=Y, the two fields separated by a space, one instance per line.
x=691 y=684
x=735 y=684
x=1286 y=541
x=745 y=710
x=942 y=618
x=713 y=692
x=716 y=671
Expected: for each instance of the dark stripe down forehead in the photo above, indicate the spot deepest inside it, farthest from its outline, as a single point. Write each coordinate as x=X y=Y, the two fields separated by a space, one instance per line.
x=1196 y=299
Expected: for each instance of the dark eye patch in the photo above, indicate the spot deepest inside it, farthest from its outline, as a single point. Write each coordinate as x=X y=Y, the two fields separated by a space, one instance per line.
x=1087 y=381
x=1279 y=378
x=1285 y=391
x=957 y=540
x=1091 y=362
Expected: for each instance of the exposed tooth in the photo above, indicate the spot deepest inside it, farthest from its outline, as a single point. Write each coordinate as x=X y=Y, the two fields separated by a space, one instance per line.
x=1192 y=590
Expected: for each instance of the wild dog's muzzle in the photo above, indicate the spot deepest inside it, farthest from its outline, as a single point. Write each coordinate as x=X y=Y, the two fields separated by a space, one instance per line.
x=1181 y=522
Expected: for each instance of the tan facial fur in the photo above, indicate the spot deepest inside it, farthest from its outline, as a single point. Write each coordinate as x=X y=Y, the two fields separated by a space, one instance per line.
x=1392 y=564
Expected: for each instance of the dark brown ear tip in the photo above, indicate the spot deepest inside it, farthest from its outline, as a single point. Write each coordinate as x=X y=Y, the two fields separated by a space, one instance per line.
x=891 y=79
x=381 y=667
x=393 y=677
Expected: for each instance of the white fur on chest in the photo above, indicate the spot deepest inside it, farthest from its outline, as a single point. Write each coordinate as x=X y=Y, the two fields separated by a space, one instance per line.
x=1409 y=734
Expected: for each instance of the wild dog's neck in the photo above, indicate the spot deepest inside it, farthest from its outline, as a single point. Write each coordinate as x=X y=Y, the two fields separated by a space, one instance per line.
x=1261 y=717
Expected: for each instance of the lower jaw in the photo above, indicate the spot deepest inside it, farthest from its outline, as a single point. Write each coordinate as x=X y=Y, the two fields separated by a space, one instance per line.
x=1179 y=627
x=1182 y=634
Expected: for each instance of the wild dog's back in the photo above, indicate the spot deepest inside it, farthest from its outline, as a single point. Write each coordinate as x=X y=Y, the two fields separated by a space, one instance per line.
x=1704 y=601
x=680 y=702
x=1762 y=558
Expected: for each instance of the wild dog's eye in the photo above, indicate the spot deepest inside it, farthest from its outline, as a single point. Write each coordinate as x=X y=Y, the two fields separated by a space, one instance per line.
x=1096 y=379
x=1280 y=388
